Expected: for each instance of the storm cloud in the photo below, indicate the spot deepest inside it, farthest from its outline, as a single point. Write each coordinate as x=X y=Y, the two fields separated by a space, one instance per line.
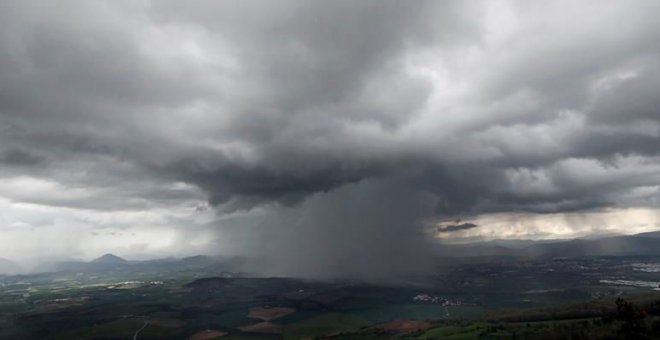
x=352 y=125
x=456 y=227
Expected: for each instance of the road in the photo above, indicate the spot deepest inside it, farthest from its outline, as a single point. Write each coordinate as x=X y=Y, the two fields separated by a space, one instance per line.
x=139 y=330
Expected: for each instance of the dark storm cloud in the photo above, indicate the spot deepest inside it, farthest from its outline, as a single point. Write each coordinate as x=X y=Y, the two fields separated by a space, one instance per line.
x=632 y=99
x=307 y=56
x=456 y=227
x=479 y=107
x=262 y=185
x=20 y=157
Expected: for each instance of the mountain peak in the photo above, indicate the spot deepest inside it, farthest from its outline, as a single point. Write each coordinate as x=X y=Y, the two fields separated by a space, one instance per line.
x=109 y=258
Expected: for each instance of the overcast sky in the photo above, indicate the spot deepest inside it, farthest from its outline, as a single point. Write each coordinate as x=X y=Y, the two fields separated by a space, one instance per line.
x=327 y=131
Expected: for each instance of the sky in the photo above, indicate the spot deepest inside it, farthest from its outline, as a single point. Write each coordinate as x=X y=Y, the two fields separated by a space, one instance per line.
x=323 y=137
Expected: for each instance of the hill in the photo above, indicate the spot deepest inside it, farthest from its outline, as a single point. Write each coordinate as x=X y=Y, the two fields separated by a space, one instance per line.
x=109 y=259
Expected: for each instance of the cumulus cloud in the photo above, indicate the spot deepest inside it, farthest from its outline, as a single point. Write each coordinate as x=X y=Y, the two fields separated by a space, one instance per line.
x=481 y=107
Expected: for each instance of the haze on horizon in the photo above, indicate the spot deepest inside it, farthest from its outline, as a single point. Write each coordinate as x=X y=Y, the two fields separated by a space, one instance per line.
x=327 y=138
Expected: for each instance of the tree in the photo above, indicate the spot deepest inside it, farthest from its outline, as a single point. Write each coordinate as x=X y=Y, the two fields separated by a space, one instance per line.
x=633 y=320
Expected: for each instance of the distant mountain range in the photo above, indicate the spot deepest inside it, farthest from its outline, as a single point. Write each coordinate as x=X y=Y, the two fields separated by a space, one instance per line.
x=645 y=244
x=628 y=245
x=110 y=262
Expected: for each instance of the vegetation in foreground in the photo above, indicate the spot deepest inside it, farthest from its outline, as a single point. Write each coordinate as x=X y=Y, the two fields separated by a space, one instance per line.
x=636 y=317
